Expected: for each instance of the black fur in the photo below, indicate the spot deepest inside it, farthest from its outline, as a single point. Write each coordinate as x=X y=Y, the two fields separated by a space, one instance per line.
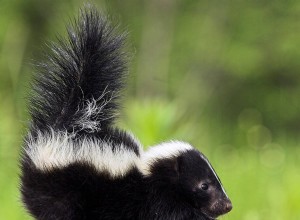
x=90 y=67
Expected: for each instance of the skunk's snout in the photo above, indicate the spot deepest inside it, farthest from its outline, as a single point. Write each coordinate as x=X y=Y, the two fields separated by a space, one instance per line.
x=227 y=206
x=223 y=206
x=220 y=207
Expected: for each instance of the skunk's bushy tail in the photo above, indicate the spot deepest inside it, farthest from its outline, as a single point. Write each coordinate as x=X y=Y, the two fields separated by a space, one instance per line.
x=78 y=86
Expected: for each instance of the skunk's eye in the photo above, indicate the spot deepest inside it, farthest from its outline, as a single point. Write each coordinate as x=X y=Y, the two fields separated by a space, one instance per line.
x=204 y=186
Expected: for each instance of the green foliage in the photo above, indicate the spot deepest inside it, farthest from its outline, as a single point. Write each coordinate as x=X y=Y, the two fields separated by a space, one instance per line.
x=221 y=75
x=155 y=121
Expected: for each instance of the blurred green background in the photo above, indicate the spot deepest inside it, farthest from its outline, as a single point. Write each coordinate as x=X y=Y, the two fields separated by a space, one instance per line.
x=223 y=75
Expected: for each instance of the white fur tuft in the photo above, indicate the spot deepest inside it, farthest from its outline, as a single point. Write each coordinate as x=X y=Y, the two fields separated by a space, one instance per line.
x=86 y=121
x=93 y=113
x=161 y=151
x=57 y=150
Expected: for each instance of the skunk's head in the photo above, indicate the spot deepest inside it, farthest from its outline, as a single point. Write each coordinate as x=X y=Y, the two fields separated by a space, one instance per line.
x=201 y=185
x=189 y=175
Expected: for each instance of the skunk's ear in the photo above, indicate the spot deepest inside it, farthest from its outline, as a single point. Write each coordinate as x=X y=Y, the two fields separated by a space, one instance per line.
x=176 y=166
x=171 y=170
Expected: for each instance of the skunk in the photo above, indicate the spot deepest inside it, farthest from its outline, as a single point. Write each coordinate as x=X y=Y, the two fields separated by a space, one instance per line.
x=77 y=165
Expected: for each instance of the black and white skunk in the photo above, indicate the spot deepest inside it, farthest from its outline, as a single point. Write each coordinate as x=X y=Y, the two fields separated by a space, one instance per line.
x=77 y=165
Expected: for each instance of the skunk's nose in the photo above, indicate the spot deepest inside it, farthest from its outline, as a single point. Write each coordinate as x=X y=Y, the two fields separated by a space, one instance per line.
x=228 y=206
